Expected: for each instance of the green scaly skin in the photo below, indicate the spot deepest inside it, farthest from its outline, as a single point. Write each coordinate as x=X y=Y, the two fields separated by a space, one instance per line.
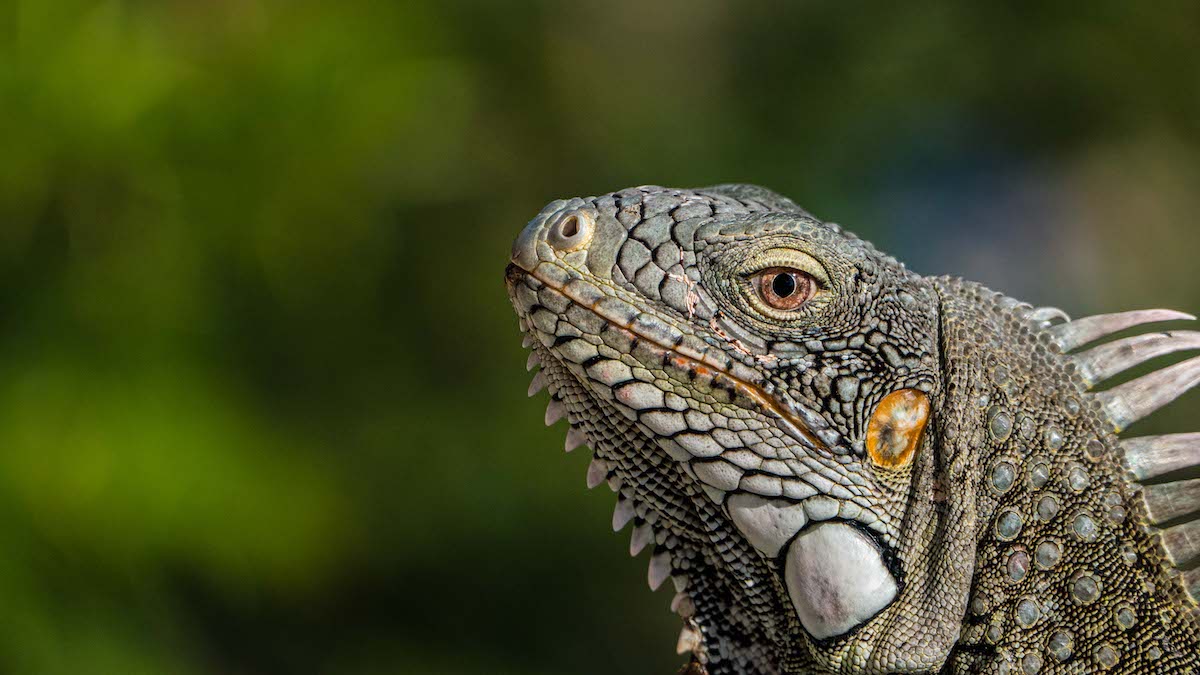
x=1016 y=540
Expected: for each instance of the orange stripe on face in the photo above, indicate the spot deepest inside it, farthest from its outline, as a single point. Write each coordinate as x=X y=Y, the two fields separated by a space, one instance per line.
x=895 y=428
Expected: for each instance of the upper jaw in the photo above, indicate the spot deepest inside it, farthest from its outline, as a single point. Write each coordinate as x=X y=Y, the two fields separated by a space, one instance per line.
x=657 y=341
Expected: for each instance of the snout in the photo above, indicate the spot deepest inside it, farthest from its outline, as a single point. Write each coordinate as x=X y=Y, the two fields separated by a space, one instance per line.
x=553 y=232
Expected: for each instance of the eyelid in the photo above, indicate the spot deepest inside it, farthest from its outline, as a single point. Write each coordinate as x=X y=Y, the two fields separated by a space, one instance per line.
x=789 y=257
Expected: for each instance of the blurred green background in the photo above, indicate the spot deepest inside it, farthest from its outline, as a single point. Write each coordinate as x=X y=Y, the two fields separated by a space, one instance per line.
x=261 y=393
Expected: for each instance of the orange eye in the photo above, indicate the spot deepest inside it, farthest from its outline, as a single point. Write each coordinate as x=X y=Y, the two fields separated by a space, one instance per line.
x=784 y=288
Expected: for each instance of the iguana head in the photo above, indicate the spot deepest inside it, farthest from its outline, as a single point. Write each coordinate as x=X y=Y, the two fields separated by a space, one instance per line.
x=780 y=412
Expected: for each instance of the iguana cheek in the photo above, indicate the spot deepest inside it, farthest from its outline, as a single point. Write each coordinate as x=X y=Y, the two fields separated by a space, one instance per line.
x=836 y=579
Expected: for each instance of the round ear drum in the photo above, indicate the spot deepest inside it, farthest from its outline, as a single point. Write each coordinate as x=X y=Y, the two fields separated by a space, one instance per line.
x=895 y=428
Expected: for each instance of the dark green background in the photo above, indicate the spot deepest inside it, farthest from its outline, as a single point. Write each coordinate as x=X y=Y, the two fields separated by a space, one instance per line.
x=262 y=400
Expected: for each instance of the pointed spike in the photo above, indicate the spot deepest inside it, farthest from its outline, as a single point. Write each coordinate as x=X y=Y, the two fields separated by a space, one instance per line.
x=1169 y=501
x=1134 y=400
x=1011 y=303
x=575 y=438
x=682 y=605
x=537 y=384
x=532 y=361
x=527 y=341
x=614 y=482
x=680 y=583
x=1100 y=363
x=1048 y=315
x=597 y=472
x=689 y=639
x=1182 y=543
x=660 y=569
x=622 y=514
x=555 y=411
x=642 y=534
x=1090 y=328
x=1149 y=457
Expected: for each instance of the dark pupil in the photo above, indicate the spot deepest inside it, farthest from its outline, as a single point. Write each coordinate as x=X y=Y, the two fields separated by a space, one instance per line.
x=783 y=285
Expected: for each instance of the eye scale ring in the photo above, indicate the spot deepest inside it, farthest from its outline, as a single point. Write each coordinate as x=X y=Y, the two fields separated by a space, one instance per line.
x=895 y=428
x=784 y=288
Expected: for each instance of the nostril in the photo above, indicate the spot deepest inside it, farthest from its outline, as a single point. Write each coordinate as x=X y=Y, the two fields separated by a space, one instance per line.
x=569 y=227
x=572 y=231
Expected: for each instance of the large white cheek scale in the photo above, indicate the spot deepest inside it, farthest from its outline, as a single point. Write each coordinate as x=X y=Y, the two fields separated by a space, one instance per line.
x=767 y=524
x=836 y=579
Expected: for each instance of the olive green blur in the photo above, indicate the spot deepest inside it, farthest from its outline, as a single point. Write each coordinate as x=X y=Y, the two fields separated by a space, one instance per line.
x=262 y=396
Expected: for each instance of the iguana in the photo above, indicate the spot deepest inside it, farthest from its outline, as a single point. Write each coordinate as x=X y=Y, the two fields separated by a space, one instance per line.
x=846 y=467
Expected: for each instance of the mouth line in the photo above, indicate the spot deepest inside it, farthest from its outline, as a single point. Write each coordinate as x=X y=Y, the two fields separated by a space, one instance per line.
x=790 y=423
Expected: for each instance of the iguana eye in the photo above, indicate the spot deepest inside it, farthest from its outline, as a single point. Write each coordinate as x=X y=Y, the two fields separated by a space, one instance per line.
x=784 y=288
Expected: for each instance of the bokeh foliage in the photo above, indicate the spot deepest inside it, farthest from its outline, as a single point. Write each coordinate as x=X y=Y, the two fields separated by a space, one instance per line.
x=261 y=395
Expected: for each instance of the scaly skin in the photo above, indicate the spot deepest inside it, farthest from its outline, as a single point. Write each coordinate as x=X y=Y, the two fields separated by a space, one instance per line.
x=738 y=438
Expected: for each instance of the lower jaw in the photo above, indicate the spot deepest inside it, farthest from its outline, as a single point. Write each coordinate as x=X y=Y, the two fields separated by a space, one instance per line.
x=794 y=565
x=717 y=606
